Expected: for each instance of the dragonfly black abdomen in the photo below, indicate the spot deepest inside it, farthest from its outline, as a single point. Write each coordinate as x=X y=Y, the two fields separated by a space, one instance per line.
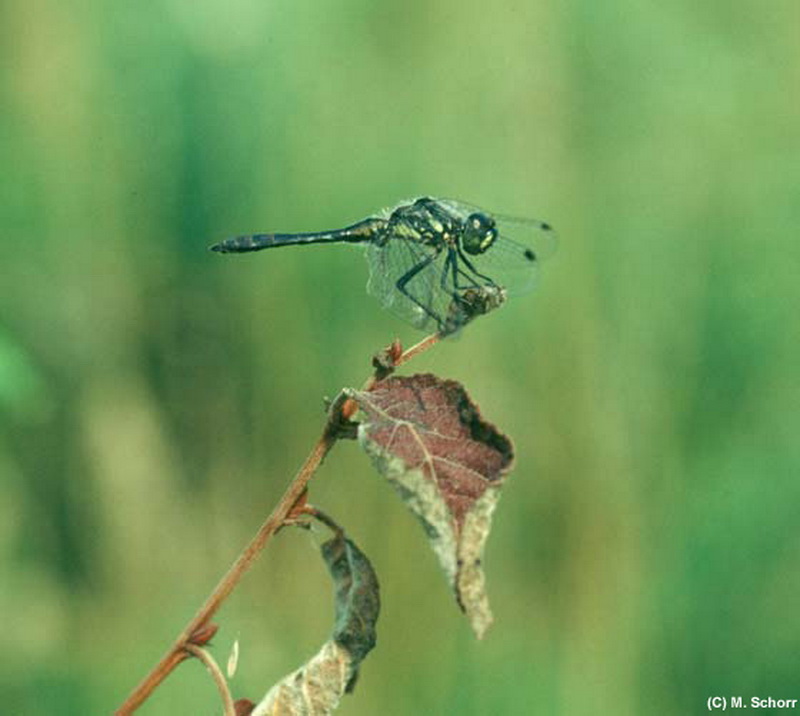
x=240 y=244
x=356 y=233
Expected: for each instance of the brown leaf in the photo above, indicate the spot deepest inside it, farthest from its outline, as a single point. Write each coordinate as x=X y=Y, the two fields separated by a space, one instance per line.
x=427 y=438
x=317 y=687
x=357 y=599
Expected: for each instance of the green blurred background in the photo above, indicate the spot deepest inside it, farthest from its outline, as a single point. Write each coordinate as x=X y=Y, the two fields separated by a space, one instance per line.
x=155 y=398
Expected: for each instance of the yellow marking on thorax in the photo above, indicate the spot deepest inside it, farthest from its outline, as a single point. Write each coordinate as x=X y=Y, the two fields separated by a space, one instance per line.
x=406 y=231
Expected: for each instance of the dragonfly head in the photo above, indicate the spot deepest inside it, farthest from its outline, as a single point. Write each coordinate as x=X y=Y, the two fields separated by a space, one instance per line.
x=479 y=234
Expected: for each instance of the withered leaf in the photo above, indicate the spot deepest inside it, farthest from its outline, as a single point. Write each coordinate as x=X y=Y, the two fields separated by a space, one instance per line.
x=317 y=687
x=427 y=437
x=357 y=599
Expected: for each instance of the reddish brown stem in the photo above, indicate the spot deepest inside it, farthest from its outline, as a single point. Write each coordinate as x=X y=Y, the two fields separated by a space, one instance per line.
x=421 y=347
x=323 y=517
x=350 y=407
x=293 y=493
x=216 y=673
x=342 y=410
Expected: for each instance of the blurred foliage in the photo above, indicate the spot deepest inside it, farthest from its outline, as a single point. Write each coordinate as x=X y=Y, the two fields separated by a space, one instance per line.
x=156 y=398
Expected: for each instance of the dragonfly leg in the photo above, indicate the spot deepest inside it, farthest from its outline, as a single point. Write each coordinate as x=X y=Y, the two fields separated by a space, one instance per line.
x=469 y=265
x=410 y=274
x=449 y=268
x=463 y=306
x=457 y=271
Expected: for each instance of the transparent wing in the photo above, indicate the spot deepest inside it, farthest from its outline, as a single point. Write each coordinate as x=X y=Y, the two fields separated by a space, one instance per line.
x=512 y=261
x=425 y=296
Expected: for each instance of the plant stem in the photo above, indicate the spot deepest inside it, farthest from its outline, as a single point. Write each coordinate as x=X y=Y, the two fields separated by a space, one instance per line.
x=217 y=675
x=227 y=584
x=350 y=406
x=341 y=410
x=422 y=346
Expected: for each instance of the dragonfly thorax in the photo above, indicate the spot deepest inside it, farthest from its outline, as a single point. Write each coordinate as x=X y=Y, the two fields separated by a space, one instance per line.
x=479 y=233
x=425 y=221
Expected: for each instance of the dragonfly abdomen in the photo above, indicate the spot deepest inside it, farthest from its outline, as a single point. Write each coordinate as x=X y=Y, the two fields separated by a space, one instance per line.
x=357 y=233
x=256 y=242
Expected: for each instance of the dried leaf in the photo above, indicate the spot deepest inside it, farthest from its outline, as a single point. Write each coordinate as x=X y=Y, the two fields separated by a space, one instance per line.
x=428 y=439
x=317 y=687
x=357 y=599
x=233 y=660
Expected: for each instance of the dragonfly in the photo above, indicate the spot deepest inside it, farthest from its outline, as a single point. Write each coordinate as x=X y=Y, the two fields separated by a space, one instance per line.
x=434 y=262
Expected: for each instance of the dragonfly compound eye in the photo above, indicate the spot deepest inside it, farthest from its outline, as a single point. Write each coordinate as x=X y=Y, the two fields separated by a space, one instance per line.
x=480 y=233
